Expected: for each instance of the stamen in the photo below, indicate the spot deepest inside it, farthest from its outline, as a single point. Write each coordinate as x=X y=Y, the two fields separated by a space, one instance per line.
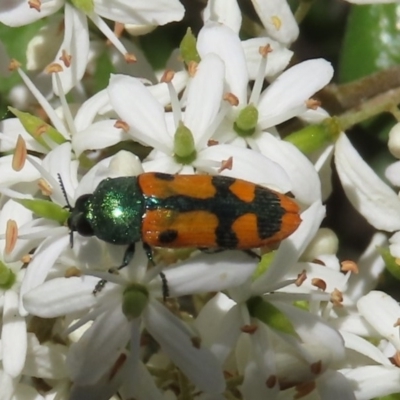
x=35 y=4
x=66 y=110
x=175 y=104
x=255 y=93
x=20 y=154
x=121 y=125
x=11 y=236
x=54 y=118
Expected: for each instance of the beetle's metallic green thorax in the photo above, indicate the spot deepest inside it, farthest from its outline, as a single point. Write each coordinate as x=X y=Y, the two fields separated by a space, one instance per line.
x=115 y=210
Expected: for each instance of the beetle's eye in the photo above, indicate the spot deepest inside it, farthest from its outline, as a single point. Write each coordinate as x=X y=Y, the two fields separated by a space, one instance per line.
x=83 y=227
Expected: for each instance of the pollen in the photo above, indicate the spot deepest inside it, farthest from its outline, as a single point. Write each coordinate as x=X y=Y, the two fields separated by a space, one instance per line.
x=121 y=125
x=231 y=99
x=348 y=265
x=192 y=68
x=36 y=4
x=54 y=67
x=11 y=236
x=319 y=283
x=45 y=188
x=250 y=329
x=168 y=76
x=20 y=154
x=14 y=64
x=226 y=164
x=130 y=58
x=277 y=22
x=66 y=58
x=72 y=271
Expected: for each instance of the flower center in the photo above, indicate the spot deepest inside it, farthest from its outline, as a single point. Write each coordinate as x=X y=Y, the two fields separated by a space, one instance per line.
x=7 y=277
x=134 y=300
x=246 y=122
x=184 y=146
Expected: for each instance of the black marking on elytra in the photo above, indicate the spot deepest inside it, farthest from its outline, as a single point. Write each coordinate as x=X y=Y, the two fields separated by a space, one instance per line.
x=227 y=207
x=167 y=236
x=163 y=176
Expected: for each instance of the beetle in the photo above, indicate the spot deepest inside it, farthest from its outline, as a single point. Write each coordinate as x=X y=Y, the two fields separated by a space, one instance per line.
x=178 y=211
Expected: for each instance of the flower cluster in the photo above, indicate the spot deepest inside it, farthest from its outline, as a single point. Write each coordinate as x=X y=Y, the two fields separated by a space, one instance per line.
x=86 y=317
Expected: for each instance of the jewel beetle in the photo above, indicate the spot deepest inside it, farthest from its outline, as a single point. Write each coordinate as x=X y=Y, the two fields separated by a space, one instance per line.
x=178 y=211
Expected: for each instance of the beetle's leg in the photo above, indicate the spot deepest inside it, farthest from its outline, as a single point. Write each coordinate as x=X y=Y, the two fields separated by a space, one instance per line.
x=149 y=253
x=252 y=254
x=165 y=288
x=128 y=256
x=129 y=253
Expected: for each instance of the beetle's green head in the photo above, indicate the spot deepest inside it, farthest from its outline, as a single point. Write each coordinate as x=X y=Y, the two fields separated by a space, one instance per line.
x=78 y=220
x=113 y=212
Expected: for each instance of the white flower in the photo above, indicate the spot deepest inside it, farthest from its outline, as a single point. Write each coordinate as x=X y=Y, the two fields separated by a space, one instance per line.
x=74 y=49
x=150 y=125
x=266 y=356
x=370 y=196
x=275 y=16
x=93 y=360
x=285 y=98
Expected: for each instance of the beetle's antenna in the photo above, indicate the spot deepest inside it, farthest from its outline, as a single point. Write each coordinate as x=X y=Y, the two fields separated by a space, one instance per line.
x=64 y=192
x=68 y=206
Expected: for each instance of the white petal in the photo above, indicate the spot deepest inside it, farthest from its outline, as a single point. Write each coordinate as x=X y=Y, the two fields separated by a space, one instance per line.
x=13 y=335
x=19 y=13
x=277 y=19
x=138 y=12
x=374 y=381
x=392 y=173
x=221 y=40
x=247 y=165
x=277 y=60
x=76 y=44
x=370 y=268
x=364 y=347
x=44 y=258
x=10 y=177
x=332 y=385
x=313 y=330
x=354 y=323
x=98 y=136
x=61 y=296
x=208 y=321
x=304 y=179
x=45 y=360
x=291 y=248
x=371 y=197
x=91 y=108
x=162 y=163
x=226 y=12
x=204 y=97
x=382 y=312
x=141 y=111
x=98 y=349
x=260 y=366
x=210 y=273
x=197 y=363
x=8 y=385
x=160 y=91
x=12 y=128
x=289 y=92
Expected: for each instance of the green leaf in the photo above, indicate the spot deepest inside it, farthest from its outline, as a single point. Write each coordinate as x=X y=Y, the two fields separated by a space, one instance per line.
x=46 y=209
x=270 y=315
x=188 y=48
x=37 y=127
x=315 y=137
x=104 y=69
x=390 y=262
x=372 y=40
